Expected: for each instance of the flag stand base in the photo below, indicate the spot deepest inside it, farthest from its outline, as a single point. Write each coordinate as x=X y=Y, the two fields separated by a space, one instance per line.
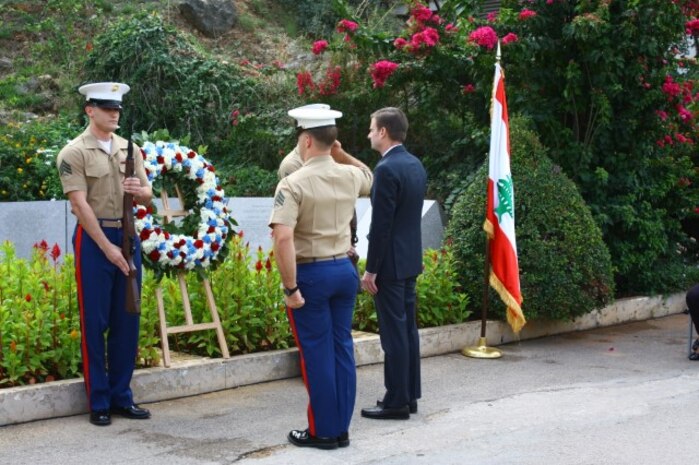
x=481 y=351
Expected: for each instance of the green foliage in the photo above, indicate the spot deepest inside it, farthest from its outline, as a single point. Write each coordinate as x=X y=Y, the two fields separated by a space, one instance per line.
x=28 y=162
x=565 y=268
x=173 y=85
x=250 y=181
x=602 y=98
x=39 y=319
x=441 y=299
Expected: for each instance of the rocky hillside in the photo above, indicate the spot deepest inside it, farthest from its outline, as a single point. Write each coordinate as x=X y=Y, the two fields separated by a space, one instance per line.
x=42 y=43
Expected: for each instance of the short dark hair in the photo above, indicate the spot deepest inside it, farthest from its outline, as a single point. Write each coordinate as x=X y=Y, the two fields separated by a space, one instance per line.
x=326 y=135
x=394 y=121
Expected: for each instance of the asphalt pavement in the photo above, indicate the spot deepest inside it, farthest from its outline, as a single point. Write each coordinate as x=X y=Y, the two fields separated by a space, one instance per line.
x=617 y=395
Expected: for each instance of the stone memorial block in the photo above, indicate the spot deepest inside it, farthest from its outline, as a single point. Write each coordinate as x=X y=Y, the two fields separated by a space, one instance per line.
x=27 y=223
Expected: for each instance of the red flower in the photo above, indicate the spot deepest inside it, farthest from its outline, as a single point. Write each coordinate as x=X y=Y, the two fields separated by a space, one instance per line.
x=469 y=88
x=345 y=25
x=429 y=37
x=214 y=246
x=191 y=154
x=319 y=46
x=268 y=265
x=381 y=70
x=211 y=229
x=141 y=213
x=28 y=297
x=692 y=27
x=154 y=255
x=43 y=246
x=55 y=252
x=160 y=159
x=304 y=81
x=198 y=243
x=258 y=266
x=526 y=14
x=331 y=82
x=484 y=36
x=46 y=286
x=509 y=38
x=88 y=47
x=145 y=234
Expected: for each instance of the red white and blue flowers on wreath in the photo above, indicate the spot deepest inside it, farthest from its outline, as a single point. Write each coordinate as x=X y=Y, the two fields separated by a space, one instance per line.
x=201 y=248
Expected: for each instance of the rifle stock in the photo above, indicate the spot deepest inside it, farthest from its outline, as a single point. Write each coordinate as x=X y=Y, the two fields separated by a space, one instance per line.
x=128 y=244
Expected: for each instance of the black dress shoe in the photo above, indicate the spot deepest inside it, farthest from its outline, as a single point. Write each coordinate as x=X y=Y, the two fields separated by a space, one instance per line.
x=100 y=418
x=384 y=413
x=133 y=412
x=412 y=406
x=303 y=438
x=343 y=440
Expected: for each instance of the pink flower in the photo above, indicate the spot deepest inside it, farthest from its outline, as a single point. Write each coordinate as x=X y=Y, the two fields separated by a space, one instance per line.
x=661 y=114
x=399 y=43
x=345 y=25
x=492 y=16
x=319 y=46
x=484 y=36
x=381 y=70
x=421 y=13
x=681 y=138
x=509 y=38
x=671 y=88
x=685 y=114
x=526 y=14
x=429 y=37
x=469 y=88
x=451 y=28
x=549 y=2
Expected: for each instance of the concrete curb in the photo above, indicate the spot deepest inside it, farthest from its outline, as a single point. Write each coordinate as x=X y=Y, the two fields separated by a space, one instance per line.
x=200 y=376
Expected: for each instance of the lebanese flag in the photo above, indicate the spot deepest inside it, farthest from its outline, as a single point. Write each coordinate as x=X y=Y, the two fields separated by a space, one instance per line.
x=500 y=211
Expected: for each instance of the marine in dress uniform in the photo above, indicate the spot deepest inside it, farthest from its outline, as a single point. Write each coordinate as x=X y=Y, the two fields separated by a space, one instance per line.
x=312 y=210
x=91 y=169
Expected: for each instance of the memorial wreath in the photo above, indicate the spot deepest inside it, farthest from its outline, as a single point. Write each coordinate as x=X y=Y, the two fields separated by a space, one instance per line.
x=200 y=240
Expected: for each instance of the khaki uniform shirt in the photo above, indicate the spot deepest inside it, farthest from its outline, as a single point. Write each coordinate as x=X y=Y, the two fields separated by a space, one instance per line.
x=84 y=166
x=291 y=162
x=318 y=201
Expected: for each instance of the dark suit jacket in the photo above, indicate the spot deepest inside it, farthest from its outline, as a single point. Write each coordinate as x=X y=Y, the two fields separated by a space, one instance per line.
x=395 y=236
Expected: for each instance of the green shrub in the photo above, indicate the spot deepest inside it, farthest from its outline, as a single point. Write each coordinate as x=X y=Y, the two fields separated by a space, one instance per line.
x=28 y=162
x=173 y=85
x=565 y=268
x=250 y=181
x=440 y=298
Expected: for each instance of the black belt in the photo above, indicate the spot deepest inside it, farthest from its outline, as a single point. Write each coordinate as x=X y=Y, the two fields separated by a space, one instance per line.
x=301 y=261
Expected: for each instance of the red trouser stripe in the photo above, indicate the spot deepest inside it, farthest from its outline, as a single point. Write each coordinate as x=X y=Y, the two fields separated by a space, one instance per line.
x=311 y=417
x=78 y=278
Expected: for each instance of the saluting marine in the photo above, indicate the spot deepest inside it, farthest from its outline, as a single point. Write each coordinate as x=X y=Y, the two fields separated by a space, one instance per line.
x=313 y=207
x=91 y=169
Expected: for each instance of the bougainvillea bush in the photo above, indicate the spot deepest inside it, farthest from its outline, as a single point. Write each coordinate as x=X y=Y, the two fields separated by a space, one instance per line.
x=608 y=86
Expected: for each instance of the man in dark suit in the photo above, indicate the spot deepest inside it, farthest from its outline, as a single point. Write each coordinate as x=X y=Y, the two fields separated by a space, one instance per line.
x=394 y=261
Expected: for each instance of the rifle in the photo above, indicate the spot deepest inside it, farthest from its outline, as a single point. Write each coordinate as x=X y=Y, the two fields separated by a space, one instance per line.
x=128 y=243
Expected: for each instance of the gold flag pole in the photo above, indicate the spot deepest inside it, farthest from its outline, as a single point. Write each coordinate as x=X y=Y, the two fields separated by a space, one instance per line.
x=482 y=350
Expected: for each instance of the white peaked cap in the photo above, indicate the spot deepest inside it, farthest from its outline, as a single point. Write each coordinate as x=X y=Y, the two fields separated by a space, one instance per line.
x=315 y=116
x=107 y=94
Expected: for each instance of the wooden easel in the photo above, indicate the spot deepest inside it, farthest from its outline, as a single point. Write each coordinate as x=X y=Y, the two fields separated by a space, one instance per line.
x=189 y=325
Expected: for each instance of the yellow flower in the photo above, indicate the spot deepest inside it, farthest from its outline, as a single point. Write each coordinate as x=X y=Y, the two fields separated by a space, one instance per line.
x=74 y=334
x=28 y=160
x=20 y=170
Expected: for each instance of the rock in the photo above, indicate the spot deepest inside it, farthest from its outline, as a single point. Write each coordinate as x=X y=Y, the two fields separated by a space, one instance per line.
x=211 y=17
x=6 y=65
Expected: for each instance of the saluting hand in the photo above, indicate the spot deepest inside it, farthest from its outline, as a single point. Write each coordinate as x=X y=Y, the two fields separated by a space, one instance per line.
x=295 y=300
x=369 y=283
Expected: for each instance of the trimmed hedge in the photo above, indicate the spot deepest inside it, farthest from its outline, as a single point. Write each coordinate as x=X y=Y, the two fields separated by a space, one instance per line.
x=565 y=267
